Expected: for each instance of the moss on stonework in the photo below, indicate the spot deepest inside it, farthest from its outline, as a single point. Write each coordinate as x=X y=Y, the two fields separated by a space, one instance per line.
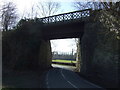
x=100 y=54
x=22 y=48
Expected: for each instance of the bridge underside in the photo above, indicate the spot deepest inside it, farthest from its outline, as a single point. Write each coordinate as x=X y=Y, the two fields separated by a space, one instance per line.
x=63 y=30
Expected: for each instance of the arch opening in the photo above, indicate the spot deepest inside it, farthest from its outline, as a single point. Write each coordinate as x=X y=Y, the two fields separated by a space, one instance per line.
x=64 y=53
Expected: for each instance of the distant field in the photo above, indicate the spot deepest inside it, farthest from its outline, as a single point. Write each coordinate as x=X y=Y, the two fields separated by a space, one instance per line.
x=63 y=61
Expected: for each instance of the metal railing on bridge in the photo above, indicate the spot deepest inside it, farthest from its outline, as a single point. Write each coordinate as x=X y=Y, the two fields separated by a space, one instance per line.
x=66 y=16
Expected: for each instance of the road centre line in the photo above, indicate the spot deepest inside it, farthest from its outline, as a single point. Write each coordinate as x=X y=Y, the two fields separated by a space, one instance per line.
x=67 y=80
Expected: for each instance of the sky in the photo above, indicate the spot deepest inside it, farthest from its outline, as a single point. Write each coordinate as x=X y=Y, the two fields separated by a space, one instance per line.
x=64 y=45
x=61 y=45
x=26 y=5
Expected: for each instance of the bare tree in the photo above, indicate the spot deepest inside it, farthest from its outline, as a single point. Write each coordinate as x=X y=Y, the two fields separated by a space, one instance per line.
x=48 y=8
x=98 y=5
x=42 y=9
x=8 y=15
x=112 y=10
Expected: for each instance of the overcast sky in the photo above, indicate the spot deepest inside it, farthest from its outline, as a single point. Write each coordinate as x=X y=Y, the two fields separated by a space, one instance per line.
x=64 y=45
x=24 y=6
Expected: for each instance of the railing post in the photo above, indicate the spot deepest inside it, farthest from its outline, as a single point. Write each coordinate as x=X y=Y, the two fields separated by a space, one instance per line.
x=63 y=18
x=41 y=20
x=55 y=19
x=81 y=15
x=72 y=16
x=90 y=11
x=48 y=20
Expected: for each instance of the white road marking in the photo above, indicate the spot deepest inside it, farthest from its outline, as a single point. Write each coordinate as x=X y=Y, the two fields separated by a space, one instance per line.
x=67 y=80
x=84 y=80
x=47 y=79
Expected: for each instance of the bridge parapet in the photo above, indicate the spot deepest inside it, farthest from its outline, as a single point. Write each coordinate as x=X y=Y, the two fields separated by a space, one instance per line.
x=66 y=16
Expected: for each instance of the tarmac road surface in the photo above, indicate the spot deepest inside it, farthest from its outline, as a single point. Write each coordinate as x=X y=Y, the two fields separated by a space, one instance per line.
x=61 y=78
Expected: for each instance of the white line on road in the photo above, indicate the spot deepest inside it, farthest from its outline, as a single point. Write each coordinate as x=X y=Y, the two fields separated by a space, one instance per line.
x=84 y=80
x=67 y=80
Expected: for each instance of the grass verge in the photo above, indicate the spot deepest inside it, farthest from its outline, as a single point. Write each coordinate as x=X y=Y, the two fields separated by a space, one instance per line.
x=63 y=61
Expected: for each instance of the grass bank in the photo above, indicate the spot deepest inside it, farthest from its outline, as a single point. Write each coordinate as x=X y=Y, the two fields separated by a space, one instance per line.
x=63 y=61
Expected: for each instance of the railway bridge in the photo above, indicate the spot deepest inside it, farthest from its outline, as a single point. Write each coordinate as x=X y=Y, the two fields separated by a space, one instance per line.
x=98 y=51
x=67 y=25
